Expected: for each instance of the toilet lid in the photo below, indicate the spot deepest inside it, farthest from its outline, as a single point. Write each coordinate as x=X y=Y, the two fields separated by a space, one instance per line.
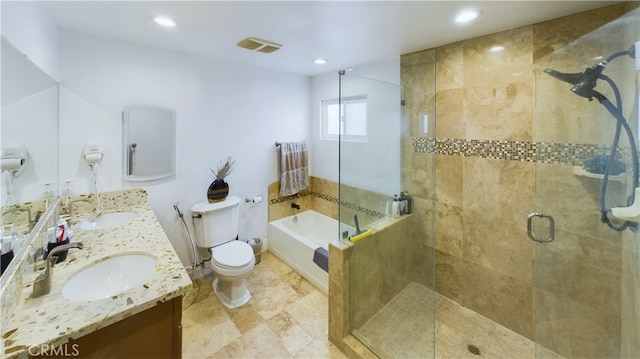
x=232 y=254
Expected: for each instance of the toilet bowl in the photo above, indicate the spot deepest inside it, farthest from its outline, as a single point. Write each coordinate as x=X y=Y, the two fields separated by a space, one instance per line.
x=231 y=263
x=216 y=226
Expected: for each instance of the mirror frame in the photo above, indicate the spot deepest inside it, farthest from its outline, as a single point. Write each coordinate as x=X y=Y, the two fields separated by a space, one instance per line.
x=126 y=158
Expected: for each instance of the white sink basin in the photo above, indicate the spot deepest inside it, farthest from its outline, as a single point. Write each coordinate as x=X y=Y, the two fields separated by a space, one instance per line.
x=109 y=277
x=108 y=220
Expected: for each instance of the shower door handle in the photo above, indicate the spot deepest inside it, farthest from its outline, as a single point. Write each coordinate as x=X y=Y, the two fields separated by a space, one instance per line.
x=552 y=227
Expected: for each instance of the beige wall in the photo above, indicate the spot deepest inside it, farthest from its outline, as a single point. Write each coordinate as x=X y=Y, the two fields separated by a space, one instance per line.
x=493 y=141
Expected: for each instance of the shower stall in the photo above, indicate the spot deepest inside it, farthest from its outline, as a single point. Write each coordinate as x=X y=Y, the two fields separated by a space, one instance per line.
x=512 y=160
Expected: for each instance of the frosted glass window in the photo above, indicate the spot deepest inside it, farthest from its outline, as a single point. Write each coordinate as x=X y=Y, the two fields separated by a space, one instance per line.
x=333 y=119
x=348 y=119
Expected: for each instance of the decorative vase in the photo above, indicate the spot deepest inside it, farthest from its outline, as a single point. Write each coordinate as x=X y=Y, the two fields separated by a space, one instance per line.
x=218 y=191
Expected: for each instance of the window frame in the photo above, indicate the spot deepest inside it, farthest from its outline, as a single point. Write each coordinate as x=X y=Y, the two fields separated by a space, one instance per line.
x=324 y=135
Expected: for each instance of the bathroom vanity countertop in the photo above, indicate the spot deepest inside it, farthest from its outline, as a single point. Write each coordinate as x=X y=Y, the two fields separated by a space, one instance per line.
x=53 y=320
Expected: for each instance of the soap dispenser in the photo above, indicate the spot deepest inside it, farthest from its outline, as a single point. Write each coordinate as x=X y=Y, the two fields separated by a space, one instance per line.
x=405 y=202
x=395 y=206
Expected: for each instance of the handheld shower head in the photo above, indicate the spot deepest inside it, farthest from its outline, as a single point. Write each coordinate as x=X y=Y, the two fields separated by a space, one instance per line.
x=583 y=82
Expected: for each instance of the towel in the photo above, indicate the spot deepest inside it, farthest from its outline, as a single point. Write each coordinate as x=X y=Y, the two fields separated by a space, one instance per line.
x=294 y=170
x=321 y=258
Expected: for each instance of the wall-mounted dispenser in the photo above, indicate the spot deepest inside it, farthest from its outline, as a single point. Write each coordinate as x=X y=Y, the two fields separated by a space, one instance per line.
x=92 y=156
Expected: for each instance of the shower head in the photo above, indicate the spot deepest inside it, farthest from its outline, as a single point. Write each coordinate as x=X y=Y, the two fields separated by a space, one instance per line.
x=583 y=82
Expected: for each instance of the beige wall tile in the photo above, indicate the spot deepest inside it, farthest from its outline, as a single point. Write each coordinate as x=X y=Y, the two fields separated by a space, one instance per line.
x=450 y=113
x=496 y=296
x=498 y=196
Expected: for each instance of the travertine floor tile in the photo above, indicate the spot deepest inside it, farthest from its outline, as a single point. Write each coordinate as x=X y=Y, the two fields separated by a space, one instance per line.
x=285 y=318
x=260 y=342
x=289 y=332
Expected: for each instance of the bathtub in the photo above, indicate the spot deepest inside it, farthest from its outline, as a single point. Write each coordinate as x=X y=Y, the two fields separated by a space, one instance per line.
x=294 y=239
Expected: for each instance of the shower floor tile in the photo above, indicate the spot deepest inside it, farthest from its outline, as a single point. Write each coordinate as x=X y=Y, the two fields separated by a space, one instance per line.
x=404 y=329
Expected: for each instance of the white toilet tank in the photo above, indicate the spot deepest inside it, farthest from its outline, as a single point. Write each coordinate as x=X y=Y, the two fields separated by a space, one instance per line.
x=216 y=223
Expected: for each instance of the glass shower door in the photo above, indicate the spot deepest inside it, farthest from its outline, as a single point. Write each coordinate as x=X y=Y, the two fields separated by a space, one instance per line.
x=587 y=281
x=391 y=296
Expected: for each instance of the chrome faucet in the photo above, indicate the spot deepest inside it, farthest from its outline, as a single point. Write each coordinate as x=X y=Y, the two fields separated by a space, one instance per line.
x=42 y=284
x=68 y=209
x=32 y=222
x=19 y=209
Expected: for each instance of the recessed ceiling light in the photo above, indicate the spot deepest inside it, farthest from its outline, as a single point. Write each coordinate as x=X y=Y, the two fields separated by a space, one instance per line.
x=467 y=16
x=164 y=21
x=496 y=49
x=319 y=61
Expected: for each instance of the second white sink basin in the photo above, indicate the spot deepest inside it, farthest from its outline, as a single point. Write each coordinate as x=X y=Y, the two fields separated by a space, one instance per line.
x=108 y=220
x=109 y=277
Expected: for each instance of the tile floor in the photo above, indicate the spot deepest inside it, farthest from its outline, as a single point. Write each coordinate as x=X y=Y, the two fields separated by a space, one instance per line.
x=287 y=318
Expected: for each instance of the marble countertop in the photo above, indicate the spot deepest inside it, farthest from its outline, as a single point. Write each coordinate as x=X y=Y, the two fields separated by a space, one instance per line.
x=53 y=320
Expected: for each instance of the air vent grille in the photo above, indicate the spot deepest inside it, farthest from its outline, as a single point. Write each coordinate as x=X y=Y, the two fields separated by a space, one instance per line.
x=260 y=45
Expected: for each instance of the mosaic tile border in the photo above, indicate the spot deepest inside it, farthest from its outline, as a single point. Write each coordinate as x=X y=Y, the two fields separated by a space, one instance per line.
x=545 y=152
x=303 y=193
x=360 y=209
x=353 y=206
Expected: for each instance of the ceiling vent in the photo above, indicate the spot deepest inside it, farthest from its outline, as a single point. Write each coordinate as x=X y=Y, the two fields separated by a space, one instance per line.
x=255 y=44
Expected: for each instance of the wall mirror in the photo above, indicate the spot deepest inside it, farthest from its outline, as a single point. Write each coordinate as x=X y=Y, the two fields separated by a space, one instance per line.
x=148 y=143
x=29 y=123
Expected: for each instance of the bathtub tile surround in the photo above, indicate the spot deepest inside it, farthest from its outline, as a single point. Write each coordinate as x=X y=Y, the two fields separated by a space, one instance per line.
x=322 y=197
x=39 y=320
x=488 y=163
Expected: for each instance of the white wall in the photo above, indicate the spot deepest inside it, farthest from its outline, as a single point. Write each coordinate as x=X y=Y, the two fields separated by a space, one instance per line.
x=222 y=110
x=30 y=28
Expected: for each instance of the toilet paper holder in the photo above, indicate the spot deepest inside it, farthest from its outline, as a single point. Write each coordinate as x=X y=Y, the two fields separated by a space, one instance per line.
x=13 y=160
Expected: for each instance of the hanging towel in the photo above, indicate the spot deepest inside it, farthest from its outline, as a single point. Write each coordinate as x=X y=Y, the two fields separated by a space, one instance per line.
x=294 y=170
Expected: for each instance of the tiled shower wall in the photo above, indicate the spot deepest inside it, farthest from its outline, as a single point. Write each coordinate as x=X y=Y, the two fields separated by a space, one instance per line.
x=487 y=164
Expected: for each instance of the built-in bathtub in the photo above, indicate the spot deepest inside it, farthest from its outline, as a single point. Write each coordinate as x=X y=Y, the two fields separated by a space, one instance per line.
x=295 y=238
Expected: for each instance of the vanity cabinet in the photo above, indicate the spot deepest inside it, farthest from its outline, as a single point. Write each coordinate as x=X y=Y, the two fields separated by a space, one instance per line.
x=153 y=333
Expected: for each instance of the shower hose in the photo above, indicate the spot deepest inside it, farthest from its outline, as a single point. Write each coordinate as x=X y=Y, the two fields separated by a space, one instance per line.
x=621 y=122
x=584 y=84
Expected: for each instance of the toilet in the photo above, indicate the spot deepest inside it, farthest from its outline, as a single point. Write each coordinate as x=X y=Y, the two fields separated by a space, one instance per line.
x=216 y=227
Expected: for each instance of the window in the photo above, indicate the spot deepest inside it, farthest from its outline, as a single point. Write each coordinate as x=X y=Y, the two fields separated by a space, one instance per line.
x=352 y=125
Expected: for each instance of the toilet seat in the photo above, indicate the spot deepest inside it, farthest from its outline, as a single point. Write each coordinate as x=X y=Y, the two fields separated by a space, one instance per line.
x=233 y=255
